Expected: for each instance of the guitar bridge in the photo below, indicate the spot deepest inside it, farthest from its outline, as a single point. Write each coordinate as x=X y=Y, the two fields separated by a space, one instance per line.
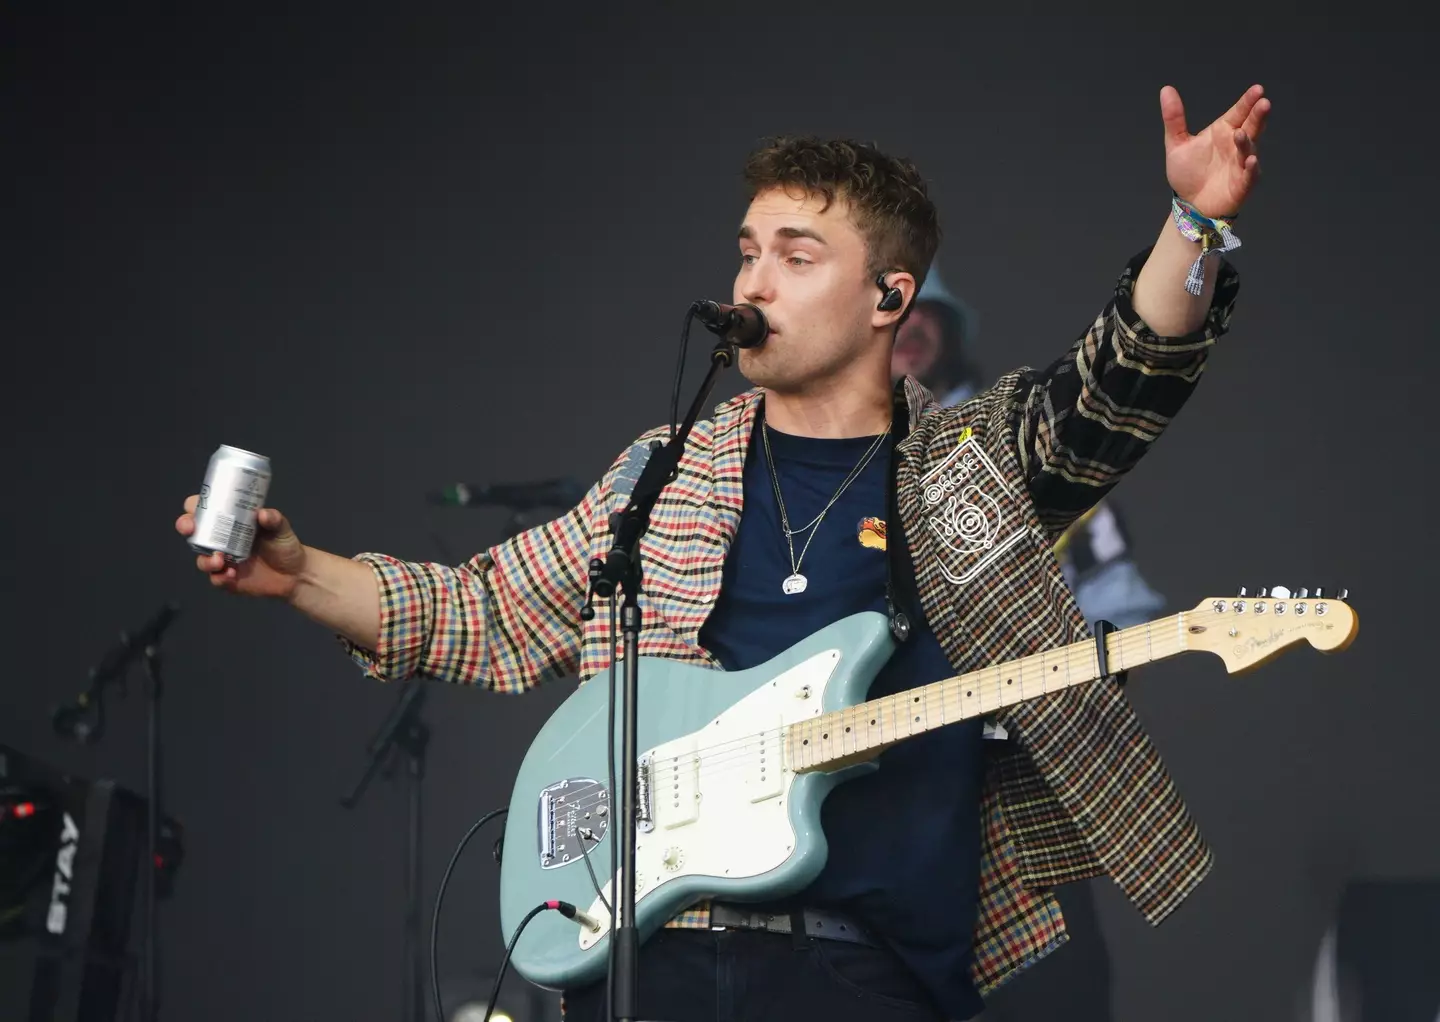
x=644 y=800
x=570 y=812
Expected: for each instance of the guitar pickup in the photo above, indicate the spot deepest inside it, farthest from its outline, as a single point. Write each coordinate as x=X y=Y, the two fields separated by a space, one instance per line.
x=675 y=784
x=765 y=765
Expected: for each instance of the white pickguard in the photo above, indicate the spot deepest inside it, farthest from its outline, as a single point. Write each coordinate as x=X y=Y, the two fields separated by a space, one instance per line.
x=719 y=794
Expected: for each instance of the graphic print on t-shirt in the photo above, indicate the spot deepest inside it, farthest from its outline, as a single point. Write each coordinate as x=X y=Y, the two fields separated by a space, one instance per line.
x=872 y=533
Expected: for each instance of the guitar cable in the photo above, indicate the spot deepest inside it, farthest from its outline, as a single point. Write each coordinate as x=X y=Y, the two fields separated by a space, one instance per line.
x=610 y=743
x=586 y=834
x=435 y=917
x=563 y=907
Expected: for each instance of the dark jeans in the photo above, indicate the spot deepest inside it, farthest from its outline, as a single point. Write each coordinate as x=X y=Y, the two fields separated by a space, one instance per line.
x=753 y=976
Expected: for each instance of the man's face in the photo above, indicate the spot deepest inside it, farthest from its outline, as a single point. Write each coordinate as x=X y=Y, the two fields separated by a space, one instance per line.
x=917 y=345
x=807 y=270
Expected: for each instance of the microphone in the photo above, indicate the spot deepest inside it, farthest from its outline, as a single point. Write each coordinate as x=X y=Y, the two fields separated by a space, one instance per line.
x=72 y=720
x=744 y=326
x=129 y=646
x=565 y=492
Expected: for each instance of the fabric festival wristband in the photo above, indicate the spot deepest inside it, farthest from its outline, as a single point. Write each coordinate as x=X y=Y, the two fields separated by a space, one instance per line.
x=1215 y=237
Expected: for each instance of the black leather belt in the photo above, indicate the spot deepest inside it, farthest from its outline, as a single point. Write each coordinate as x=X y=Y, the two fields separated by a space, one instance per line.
x=817 y=922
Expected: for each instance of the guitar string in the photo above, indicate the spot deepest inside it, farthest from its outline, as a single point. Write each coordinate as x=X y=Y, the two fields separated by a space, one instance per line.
x=1121 y=647
x=988 y=679
x=723 y=757
x=991 y=694
x=722 y=754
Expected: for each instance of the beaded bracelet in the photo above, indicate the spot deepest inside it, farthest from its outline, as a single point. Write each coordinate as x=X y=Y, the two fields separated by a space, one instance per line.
x=1215 y=237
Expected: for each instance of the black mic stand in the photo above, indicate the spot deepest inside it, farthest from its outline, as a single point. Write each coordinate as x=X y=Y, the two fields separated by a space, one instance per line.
x=71 y=721
x=621 y=569
x=404 y=734
x=150 y=1000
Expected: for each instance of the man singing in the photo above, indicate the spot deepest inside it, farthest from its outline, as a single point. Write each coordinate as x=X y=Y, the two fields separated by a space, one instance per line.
x=824 y=492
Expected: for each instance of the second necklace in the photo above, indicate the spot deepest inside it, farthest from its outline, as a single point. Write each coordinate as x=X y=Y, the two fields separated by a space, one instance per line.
x=796 y=583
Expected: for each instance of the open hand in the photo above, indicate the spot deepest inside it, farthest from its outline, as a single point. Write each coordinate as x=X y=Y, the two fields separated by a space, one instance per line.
x=1215 y=169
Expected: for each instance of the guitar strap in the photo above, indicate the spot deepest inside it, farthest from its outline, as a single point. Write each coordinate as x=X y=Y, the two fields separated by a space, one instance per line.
x=1102 y=629
x=902 y=595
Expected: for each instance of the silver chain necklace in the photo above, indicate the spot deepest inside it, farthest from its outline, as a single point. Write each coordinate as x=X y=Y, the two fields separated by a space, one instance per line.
x=797 y=582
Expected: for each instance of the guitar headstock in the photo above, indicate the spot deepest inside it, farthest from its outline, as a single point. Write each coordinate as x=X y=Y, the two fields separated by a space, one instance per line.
x=1246 y=631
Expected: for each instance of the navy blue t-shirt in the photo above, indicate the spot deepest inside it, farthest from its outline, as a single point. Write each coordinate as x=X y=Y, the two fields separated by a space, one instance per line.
x=904 y=841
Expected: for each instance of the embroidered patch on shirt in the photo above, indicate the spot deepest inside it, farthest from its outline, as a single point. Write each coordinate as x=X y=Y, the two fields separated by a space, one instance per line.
x=970 y=510
x=872 y=533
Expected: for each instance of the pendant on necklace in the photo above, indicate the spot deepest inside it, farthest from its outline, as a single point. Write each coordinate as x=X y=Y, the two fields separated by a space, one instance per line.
x=796 y=583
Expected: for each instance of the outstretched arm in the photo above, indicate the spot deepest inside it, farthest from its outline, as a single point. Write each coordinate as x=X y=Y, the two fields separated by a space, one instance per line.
x=1085 y=420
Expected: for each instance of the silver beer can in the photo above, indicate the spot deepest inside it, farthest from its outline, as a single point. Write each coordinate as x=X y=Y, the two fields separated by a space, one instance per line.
x=234 y=491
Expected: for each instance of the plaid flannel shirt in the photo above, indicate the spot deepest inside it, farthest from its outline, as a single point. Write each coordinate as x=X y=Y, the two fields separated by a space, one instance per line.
x=1077 y=789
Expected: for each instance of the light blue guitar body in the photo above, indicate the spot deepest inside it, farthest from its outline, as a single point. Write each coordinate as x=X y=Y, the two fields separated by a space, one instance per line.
x=723 y=815
x=731 y=788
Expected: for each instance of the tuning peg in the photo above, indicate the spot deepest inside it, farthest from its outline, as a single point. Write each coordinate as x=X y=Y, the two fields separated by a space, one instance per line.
x=1319 y=593
x=1302 y=594
x=1262 y=593
x=1242 y=591
x=1342 y=594
x=1279 y=593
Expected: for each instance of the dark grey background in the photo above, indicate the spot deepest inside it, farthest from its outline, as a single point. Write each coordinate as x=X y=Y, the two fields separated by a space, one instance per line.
x=391 y=254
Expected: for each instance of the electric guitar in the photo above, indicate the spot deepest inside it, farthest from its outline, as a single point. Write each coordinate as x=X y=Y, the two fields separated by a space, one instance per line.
x=734 y=766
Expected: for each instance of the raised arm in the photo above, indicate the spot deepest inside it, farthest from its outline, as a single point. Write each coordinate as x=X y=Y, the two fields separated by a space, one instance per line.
x=1090 y=416
x=1212 y=173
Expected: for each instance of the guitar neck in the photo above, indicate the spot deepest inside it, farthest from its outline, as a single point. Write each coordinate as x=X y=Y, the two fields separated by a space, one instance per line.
x=856 y=732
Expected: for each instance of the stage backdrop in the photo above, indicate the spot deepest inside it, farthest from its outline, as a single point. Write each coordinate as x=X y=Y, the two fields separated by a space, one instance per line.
x=393 y=254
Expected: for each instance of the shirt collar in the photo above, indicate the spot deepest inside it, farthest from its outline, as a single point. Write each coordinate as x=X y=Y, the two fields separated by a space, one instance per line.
x=742 y=407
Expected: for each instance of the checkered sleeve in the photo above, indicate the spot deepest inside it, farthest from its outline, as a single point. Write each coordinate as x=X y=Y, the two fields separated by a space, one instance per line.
x=1086 y=420
x=508 y=619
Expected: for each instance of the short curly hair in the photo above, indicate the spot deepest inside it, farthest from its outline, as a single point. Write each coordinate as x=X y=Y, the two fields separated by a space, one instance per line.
x=888 y=200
